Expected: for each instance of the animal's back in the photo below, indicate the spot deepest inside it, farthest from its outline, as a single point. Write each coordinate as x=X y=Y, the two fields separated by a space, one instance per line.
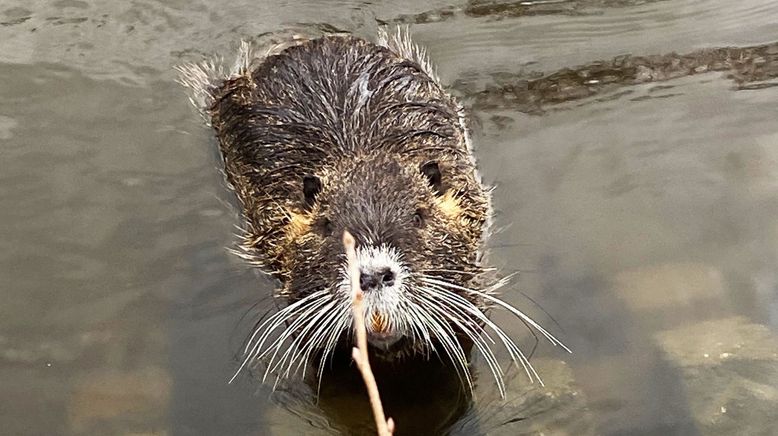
x=332 y=96
x=302 y=109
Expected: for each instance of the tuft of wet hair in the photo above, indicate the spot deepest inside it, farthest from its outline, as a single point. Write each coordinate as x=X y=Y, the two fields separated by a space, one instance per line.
x=400 y=42
x=203 y=79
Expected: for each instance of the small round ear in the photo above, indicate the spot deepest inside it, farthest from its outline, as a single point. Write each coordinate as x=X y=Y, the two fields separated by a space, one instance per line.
x=311 y=187
x=431 y=171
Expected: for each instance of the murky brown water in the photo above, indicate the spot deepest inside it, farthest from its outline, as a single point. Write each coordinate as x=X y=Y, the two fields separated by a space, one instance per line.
x=638 y=190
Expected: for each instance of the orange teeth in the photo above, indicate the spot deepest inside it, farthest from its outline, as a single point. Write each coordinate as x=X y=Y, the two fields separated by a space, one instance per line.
x=379 y=322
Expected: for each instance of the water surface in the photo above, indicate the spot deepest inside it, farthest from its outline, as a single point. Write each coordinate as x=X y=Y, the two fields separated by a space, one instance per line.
x=636 y=191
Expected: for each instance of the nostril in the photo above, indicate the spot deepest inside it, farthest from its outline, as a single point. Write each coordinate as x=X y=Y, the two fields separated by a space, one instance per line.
x=367 y=281
x=387 y=277
x=382 y=278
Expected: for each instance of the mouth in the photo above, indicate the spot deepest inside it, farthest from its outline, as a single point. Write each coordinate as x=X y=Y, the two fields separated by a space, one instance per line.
x=381 y=334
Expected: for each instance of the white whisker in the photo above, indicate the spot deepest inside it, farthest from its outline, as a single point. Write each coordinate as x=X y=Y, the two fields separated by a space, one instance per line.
x=310 y=323
x=477 y=340
x=317 y=339
x=447 y=337
x=332 y=340
x=270 y=324
x=299 y=319
x=513 y=350
x=485 y=295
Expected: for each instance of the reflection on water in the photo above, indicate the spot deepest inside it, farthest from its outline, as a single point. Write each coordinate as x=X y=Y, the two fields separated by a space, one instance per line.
x=635 y=152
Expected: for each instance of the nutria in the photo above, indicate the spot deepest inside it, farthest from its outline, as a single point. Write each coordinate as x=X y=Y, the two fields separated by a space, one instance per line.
x=321 y=135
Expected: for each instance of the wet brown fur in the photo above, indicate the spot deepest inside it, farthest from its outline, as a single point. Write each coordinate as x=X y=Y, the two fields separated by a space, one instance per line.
x=362 y=119
x=271 y=135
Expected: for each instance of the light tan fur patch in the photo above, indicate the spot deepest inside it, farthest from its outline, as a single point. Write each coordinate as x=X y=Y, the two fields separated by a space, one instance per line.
x=299 y=224
x=449 y=204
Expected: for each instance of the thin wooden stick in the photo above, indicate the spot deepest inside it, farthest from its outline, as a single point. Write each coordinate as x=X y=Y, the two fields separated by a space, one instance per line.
x=359 y=353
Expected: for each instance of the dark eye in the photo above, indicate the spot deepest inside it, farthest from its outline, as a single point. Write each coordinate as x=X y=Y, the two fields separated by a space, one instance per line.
x=326 y=226
x=418 y=219
x=431 y=170
x=311 y=188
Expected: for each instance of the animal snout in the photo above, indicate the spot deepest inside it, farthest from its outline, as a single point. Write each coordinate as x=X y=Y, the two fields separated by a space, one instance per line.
x=377 y=279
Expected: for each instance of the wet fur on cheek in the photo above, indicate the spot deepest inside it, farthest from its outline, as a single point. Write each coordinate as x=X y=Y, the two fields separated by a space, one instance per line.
x=448 y=204
x=299 y=225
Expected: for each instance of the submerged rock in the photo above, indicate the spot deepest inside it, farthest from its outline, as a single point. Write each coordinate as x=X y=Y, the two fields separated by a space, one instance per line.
x=119 y=402
x=729 y=370
x=668 y=286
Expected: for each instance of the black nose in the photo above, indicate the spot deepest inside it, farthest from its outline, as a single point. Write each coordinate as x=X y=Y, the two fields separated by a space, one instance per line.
x=381 y=278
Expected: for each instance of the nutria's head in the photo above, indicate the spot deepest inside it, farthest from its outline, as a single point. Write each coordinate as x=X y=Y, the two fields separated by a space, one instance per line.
x=409 y=223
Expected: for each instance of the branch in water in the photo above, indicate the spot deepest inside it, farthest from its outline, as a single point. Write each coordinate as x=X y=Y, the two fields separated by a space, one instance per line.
x=359 y=353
